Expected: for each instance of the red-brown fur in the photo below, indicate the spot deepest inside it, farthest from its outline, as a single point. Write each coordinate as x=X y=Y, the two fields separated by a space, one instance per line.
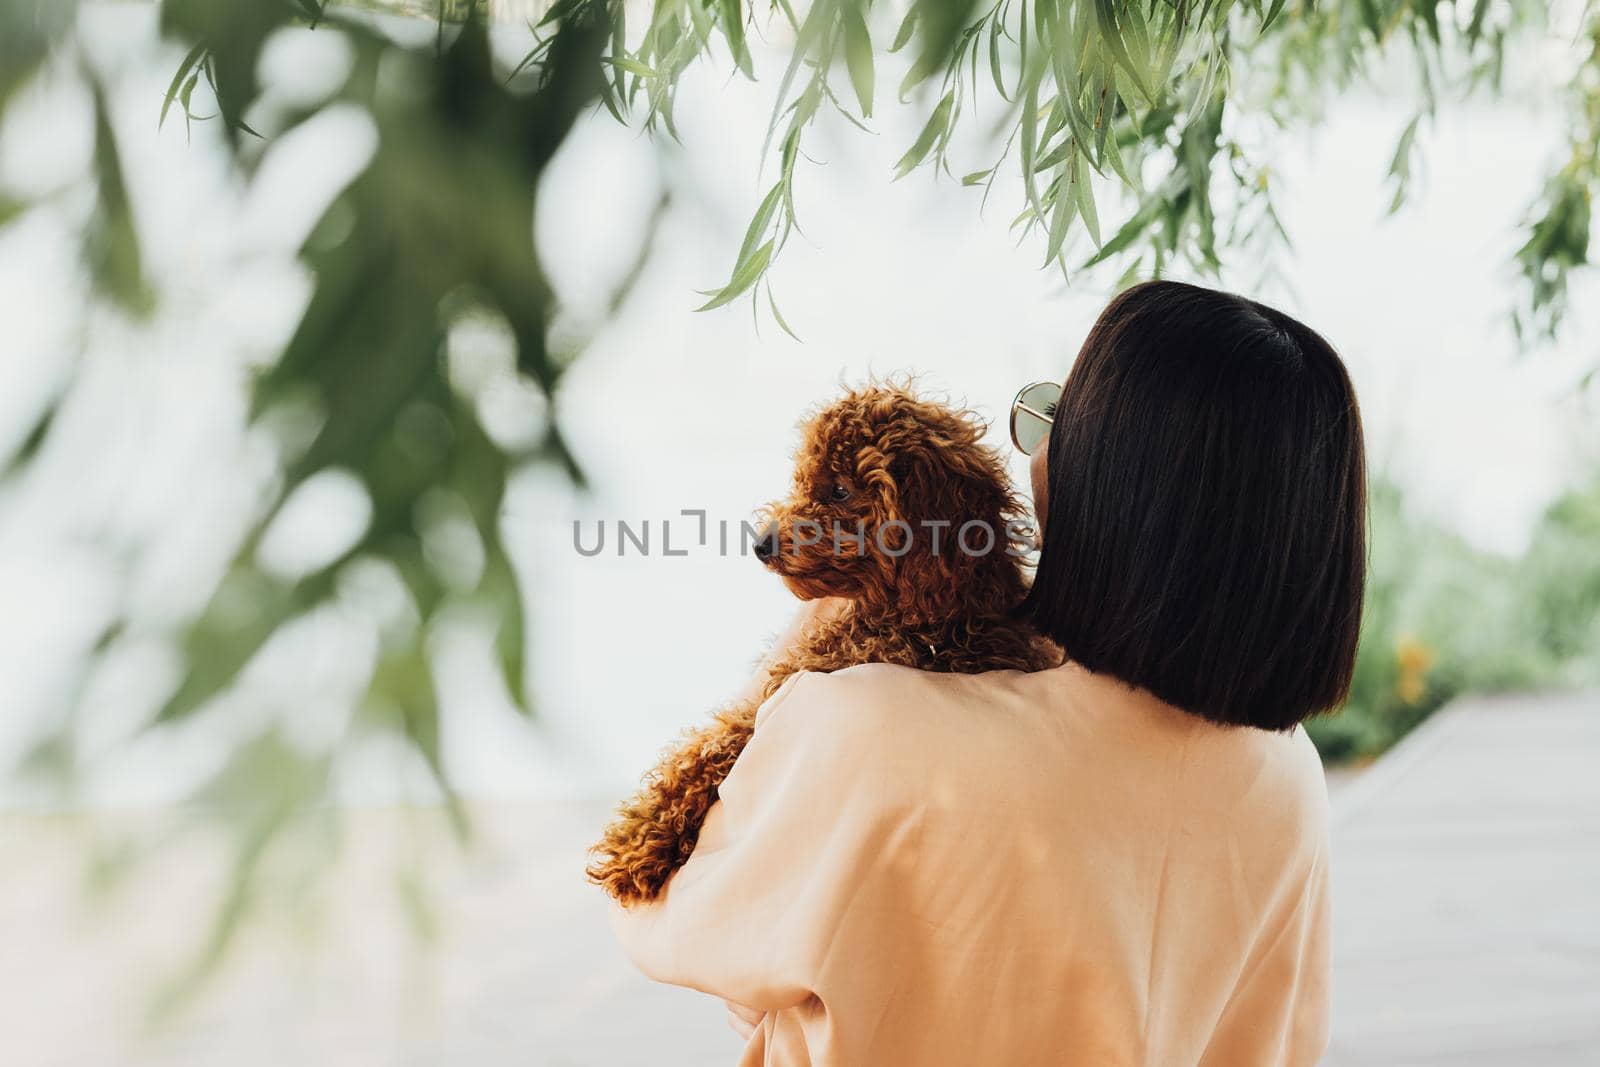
x=899 y=457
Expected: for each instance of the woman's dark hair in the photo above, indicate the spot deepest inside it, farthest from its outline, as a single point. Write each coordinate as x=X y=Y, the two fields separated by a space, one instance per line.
x=1205 y=512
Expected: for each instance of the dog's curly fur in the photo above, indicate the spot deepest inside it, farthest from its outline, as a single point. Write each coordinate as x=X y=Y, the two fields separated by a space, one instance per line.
x=886 y=457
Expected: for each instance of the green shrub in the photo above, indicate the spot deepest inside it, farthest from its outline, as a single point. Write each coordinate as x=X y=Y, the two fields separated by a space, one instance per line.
x=1443 y=618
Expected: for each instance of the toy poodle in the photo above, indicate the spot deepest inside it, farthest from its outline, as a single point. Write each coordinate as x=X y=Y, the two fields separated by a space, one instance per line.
x=899 y=509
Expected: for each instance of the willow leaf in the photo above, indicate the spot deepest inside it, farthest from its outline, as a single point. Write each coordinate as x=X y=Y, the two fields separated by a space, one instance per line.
x=1272 y=15
x=1083 y=195
x=1130 y=232
x=743 y=278
x=190 y=62
x=995 y=27
x=908 y=26
x=936 y=128
x=858 y=55
x=1064 y=208
x=732 y=19
x=778 y=316
x=1030 y=144
x=632 y=66
x=758 y=224
x=1105 y=13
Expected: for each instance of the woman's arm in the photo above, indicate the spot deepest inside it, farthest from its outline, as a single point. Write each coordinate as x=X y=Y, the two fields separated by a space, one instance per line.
x=787 y=875
x=741 y=1017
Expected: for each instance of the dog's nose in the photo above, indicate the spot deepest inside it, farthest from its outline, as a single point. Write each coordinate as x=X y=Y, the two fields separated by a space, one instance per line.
x=767 y=543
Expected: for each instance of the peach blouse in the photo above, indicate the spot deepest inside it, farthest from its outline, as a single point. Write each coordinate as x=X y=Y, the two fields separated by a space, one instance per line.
x=920 y=869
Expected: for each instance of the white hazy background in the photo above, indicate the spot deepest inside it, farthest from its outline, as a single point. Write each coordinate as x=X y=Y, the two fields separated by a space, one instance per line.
x=669 y=409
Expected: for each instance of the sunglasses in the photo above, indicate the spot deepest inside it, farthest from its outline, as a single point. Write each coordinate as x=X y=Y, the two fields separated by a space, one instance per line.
x=1033 y=412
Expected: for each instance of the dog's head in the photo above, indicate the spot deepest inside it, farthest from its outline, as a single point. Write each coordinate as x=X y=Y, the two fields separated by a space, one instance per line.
x=897 y=505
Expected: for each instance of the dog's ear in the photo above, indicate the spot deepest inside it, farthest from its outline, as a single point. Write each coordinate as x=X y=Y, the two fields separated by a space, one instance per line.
x=947 y=475
x=929 y=473
x=929 y=580
x=875 y=473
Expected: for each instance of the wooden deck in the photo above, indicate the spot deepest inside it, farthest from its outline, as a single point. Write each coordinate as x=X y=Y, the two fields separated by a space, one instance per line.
x=1467 y=892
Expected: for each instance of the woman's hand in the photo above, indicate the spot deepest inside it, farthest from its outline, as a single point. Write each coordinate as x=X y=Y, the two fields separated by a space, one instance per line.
x=743 y=1020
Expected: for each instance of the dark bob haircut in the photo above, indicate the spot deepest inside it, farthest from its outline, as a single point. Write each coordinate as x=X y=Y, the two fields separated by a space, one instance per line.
x=1204 y=524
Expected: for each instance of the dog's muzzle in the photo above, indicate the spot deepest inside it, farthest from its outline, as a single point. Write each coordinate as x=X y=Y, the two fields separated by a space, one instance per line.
x=766 y=546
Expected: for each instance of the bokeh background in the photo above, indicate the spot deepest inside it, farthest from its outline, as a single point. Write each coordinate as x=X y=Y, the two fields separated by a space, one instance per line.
x=286 y=872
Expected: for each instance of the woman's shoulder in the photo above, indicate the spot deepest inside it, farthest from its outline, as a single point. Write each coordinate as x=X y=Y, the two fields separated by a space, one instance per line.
x=1061 y=740
x=878 y=734
x=868 y=691
x=839 y=700
x=888 y=715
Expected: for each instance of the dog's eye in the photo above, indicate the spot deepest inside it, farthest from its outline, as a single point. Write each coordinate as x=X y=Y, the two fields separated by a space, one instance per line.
x=840 y=493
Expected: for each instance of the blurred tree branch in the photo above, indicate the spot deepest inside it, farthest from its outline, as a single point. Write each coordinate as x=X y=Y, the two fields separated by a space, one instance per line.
x=437 y=228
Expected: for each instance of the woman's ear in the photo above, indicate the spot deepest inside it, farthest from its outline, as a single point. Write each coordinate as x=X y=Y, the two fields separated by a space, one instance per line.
x=1039 y=475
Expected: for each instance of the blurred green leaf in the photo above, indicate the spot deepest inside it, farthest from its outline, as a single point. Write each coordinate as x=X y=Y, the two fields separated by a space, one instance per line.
x=112 y=242
x=632 y=66
x=733 y=29
x=29 y=31
x=858 y=55
x=10 y=208
x=1273 y=11
x=32 y=441
x=908 y=26
x=937 y=125
x=1400 y=166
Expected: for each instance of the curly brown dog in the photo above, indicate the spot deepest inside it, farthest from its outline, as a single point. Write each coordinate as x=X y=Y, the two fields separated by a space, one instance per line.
x=898 y=508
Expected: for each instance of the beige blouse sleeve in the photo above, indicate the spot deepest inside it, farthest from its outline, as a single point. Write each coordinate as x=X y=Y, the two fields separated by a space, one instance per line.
x=762 y=904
